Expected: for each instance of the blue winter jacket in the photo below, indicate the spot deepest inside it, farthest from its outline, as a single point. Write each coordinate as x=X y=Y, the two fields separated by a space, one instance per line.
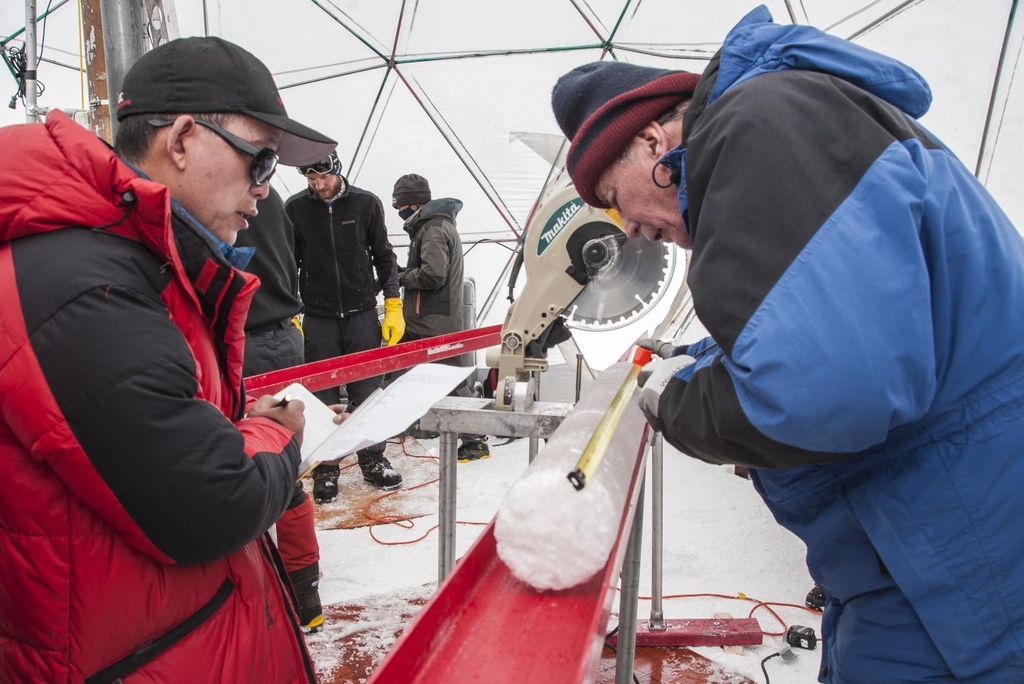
x=867 y=297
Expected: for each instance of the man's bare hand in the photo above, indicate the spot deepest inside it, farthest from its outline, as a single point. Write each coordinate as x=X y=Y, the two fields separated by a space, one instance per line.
x=339 y=413
x=339 y=417
x=289 y=415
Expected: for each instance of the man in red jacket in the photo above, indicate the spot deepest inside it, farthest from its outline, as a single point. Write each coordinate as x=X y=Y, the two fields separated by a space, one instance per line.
x=137 y=481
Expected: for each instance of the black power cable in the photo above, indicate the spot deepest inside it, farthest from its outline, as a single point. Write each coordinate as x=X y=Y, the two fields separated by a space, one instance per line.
x=17 y=62
x=767 y=679
x=608 y=645
x=785 y=652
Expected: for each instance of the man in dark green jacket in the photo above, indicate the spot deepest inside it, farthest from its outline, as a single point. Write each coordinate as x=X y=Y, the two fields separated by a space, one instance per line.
x=432 y=279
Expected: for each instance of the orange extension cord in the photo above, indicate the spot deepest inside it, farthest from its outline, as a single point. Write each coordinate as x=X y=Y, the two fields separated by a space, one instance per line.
x=400 y=520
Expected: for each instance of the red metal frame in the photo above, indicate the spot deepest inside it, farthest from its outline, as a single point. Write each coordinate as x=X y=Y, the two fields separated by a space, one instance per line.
x=699 y=632
x=339 y=370
x=484 y=625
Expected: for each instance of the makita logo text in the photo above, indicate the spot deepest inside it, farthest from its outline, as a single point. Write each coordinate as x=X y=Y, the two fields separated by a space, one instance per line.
x=558 y=222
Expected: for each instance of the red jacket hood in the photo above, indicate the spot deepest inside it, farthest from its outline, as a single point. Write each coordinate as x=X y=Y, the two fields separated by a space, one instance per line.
x=65 y=176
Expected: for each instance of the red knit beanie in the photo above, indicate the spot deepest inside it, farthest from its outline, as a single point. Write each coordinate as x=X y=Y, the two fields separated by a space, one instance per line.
x=602 y=105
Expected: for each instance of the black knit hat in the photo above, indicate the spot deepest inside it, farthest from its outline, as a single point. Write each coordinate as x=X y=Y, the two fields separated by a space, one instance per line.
x=210 y=75
x=410 y=189
x=602 y=105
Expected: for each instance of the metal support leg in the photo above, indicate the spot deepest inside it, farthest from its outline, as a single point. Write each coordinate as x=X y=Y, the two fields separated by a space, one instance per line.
x=471 y=415
x=533 y=448
x=657 y=621
x=446 y=518
x=630 y=584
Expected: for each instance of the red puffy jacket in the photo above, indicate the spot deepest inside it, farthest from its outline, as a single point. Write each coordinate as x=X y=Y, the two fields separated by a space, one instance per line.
x=134 y=496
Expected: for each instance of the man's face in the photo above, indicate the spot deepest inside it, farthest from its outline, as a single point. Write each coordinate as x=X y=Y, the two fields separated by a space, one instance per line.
x=645 y=208
x=216 y=186
x=325 y=185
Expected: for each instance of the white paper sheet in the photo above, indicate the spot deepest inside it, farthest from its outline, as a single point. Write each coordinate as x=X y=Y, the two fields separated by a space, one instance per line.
x=384 y=414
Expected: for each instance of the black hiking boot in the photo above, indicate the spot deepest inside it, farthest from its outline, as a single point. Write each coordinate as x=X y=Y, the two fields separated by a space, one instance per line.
x=325 y=483
x=306 y=584
x=473 y=451
x=415 y=432
x=377 y=470
x=815 y=599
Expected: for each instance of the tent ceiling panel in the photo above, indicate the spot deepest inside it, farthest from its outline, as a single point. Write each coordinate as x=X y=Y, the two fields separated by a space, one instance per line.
x=440 y=26
x=680 y=27
x=338 y=108
x=955 y=47
x=1002 y=171
x=301 y=41
x=453 y=110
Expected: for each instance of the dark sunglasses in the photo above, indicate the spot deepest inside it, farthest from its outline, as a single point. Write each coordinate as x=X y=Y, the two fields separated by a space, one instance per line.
x=264 y=160
x=320 y=168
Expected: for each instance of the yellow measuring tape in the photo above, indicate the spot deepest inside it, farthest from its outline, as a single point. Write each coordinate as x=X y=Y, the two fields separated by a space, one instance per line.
x=594 y=452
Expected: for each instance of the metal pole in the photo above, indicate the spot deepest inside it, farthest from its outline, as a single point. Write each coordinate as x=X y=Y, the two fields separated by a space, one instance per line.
x=534 y=445
x=447 y=484
x=96 y=69
x=657 y=621
x=124 y=41
x=630 y=583
x=579 y=376
x=31 y=62
x=985 y=150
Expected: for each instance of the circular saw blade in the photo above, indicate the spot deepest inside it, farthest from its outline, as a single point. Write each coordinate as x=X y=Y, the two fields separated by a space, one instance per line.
x=626 y=290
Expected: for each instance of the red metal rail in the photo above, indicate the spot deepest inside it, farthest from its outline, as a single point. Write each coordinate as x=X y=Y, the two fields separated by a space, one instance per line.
x=339 y=370
x=484 y=625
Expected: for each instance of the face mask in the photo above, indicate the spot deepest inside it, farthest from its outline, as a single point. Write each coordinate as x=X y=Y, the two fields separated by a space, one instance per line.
x=406 y=213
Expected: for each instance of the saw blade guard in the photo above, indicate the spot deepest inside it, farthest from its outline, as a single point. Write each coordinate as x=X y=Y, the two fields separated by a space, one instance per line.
x=581 y=272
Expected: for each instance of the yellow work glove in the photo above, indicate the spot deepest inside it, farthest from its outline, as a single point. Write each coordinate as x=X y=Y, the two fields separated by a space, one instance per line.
x=393 y=326
x=297 y=322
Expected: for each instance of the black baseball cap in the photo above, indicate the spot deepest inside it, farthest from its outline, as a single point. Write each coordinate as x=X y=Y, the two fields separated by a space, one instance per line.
x=205 y=75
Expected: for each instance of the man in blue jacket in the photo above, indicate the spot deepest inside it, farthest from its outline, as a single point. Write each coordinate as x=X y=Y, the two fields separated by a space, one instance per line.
x=865 y=298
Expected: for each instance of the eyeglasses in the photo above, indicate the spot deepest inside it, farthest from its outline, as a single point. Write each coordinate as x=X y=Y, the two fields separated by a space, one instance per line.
x=264 y=160
x=322 y=167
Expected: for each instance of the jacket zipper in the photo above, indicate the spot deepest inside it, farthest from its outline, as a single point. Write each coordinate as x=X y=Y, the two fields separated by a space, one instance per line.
x=334 y=256
x=142 y=656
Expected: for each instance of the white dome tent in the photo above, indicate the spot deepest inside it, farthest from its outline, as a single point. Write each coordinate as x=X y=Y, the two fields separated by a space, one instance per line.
x=460 y=91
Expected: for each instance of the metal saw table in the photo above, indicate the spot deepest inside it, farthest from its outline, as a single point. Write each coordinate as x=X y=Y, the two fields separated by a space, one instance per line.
x=461 y=415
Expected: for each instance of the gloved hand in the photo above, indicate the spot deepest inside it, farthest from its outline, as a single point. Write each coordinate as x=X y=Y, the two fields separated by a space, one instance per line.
x=662 y=348
x=652 y=380
x=393 y=326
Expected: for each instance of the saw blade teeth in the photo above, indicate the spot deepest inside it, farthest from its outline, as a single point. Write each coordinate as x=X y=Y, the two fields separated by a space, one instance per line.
x=618 y=297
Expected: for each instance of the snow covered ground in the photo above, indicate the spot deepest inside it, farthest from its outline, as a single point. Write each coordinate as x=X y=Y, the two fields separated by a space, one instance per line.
x=719 y=539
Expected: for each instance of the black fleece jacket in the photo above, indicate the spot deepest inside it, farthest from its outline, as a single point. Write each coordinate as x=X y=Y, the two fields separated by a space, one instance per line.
x=339 y=246
x=271 y=233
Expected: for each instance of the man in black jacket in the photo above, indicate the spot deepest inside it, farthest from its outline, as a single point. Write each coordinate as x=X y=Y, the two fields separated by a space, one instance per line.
x=340 y=243
x=273 y=341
